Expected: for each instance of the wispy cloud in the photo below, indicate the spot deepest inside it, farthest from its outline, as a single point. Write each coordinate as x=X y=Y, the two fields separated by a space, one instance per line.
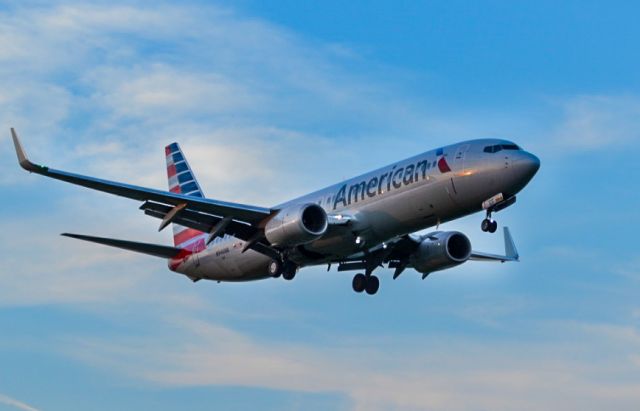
x=425 y=374
x=84 y=97
x=12 y=402
x=591 y=122
x=263 y=114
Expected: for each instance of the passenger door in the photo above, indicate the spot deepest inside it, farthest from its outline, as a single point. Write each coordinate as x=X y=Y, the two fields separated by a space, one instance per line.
x=458 y=158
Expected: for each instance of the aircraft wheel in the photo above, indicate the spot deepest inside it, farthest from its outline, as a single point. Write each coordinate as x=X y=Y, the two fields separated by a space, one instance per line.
x=373 y=283
x=359 y=283
x=289 y=271
x=275 y=268
x=493 y=227
x=486 y=225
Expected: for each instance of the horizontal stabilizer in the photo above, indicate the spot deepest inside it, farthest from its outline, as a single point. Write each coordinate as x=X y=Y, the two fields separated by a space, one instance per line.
x=144 y=248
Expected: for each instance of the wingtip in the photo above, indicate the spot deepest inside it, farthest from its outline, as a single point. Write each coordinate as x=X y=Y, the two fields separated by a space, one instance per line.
x=74 y=236
x=22 y=156
x=510 y=246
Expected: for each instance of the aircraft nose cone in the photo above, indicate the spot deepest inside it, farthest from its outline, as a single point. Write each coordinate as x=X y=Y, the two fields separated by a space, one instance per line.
x=527 y=166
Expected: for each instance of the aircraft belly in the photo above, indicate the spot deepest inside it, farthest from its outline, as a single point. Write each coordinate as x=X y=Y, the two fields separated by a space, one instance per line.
x=341 y=243
x=226 y=262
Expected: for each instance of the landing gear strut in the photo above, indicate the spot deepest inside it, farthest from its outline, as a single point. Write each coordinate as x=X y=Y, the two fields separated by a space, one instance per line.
x=368 y=283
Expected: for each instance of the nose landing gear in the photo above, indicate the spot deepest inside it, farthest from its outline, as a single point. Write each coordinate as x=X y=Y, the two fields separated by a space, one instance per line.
x=489 y=225
x=493 y=205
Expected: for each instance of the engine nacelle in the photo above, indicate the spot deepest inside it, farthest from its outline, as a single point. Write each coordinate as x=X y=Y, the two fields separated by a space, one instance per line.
x=441 y=250
x=297 y=225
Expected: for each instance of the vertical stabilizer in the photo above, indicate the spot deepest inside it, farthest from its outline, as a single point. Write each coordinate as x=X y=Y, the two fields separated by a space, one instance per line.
x=183 y=181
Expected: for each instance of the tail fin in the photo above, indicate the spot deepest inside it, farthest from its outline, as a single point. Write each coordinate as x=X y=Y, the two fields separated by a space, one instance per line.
x=183 y=181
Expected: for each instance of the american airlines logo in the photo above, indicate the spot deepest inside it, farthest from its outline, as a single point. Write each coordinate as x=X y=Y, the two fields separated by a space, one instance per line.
x=391 y=180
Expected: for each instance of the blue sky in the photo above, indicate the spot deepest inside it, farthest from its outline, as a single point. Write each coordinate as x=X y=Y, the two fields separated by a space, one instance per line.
x=273 y=99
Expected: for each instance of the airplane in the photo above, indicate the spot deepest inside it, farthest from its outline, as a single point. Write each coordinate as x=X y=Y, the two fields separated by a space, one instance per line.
x=360 y=224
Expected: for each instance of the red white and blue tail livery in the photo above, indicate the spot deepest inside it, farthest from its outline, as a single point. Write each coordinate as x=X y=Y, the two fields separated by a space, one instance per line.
x=183 y=181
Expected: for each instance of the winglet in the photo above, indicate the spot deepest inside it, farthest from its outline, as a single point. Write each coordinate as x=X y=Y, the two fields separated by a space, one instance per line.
x=511 y=254
x=22 y=156
x=509 y=246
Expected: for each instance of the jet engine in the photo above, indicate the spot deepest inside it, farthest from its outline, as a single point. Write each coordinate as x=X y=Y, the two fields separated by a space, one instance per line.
x=441 y=250
x=296 y=225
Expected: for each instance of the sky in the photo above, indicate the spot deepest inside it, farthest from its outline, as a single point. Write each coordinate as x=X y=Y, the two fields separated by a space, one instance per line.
x=270 y=100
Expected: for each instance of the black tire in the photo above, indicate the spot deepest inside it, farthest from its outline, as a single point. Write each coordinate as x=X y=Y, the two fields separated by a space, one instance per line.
x=493 y=227
x=275 y=268
x=289 y=271
x=486 y=225
x=289 y=274
x=373 y=283
x=359 y=283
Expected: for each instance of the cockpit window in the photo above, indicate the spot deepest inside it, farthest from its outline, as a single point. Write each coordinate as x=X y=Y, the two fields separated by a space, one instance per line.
x=500 y=147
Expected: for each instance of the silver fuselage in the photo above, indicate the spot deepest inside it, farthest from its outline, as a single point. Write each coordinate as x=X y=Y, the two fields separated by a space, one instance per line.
x=402 y=198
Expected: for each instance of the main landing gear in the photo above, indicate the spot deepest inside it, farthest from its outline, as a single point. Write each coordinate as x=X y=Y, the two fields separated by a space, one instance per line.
x=287 y=269
x=369 y=283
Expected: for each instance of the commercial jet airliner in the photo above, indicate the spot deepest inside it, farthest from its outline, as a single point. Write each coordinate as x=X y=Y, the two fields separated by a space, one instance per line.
x=361 y=224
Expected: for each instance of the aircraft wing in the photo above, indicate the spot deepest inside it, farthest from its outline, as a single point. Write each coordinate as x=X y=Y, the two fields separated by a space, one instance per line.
x=396 y=253
x=404 y=246
x=247 y=213
x=511 y=254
